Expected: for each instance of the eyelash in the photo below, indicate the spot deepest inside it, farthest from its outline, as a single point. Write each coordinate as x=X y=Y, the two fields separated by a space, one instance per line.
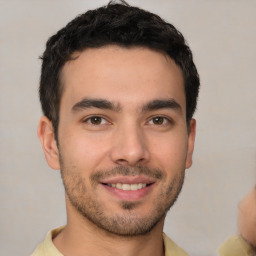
x=89 y=120
x=165 y=121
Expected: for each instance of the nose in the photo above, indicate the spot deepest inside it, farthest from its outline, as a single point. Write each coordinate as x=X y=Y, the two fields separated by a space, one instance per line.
x=129 y=147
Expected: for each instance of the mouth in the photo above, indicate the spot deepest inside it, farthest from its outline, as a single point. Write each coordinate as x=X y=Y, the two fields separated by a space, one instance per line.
x=128 y=187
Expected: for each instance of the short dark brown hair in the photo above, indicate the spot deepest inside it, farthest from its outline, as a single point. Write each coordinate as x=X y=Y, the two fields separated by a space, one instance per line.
x=117 y=24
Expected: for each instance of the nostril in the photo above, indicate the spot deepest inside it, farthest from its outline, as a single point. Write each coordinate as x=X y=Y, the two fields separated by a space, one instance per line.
x=122 y=162
x=129 y=151
x=130 y=161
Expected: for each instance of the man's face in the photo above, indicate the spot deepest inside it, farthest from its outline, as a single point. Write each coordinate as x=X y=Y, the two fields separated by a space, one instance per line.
x=123 y=139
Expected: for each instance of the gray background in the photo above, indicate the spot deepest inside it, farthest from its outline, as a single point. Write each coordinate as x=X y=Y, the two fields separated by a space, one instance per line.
x=222 y=36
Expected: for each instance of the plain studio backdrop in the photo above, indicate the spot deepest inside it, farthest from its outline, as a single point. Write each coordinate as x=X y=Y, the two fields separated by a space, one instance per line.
x=222 y=36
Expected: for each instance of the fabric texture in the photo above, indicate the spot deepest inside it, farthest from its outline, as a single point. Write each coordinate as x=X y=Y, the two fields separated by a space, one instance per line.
x=47 y=248
x=236 y=246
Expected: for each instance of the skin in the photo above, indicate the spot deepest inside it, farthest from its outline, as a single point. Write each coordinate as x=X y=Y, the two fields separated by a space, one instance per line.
x=247 y=217
x=128 y=141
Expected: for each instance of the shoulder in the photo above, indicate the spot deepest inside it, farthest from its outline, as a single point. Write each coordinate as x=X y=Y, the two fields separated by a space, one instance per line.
x=235 y=246
x=47 y=248
x=171 y=248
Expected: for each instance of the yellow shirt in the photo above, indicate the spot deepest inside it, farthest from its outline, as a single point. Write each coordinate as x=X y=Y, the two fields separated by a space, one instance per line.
x=235 y=246
x=47 y=248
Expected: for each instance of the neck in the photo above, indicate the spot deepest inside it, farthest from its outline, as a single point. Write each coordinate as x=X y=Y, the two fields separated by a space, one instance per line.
x=81 y=237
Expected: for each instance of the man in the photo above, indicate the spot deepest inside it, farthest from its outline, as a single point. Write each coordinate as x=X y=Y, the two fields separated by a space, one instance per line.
x=118 y=90
x=245 y=244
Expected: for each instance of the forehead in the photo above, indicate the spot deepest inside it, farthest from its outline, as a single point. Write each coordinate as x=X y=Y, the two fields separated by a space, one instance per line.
x=128 y=75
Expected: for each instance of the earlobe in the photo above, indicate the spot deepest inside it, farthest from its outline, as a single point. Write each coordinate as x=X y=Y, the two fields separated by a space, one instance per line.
x=191 y=142
x=46 y=135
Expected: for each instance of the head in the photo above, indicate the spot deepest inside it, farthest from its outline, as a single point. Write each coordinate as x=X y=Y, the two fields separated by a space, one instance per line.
x=118 y=90
x=247 y=217
x=115 y=24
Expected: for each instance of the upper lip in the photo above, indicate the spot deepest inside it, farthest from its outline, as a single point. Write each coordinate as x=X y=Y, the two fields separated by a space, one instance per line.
x=128 y=180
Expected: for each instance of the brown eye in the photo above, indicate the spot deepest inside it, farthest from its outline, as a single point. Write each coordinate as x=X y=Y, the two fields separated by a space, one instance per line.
x=96 y=120
x=159 y=120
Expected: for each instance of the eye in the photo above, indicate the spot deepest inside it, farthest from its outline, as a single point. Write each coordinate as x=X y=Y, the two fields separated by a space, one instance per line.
x=96 y=120
x=159 y=120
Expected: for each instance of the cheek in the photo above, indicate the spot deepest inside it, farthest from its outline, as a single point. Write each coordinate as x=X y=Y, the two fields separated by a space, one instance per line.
x=83 y=150
x=170 y=153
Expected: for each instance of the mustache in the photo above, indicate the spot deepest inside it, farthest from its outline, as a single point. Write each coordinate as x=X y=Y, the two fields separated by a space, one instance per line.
x=154 y=173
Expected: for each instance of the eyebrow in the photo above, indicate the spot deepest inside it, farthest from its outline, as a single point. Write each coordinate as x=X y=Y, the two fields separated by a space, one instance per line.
x=87 y=103
x=161 y=104
x=95 y=103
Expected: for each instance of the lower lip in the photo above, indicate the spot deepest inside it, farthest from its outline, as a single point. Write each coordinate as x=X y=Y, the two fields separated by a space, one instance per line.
x=129 y=195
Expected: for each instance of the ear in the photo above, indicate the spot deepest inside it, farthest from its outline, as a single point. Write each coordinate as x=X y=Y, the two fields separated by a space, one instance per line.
x=46 y=135
x=191 y=142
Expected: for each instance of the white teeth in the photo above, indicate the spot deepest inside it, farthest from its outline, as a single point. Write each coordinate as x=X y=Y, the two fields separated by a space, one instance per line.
x=119 y=185
x=140 y=185
x=128 y=186
x=134 y=186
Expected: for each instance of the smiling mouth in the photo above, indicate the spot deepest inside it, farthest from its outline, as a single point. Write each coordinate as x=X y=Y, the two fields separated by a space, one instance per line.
x=128 y=187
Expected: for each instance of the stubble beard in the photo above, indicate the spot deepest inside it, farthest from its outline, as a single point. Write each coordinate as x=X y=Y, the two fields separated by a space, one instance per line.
x=128 y=223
